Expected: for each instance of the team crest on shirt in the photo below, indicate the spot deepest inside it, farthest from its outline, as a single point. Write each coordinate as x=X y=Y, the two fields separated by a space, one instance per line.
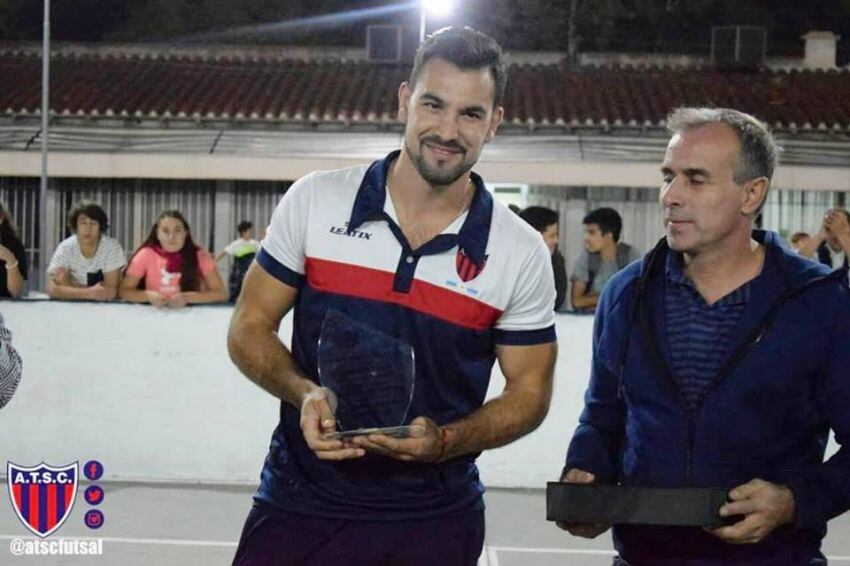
x=42 y=495
x=467 y=269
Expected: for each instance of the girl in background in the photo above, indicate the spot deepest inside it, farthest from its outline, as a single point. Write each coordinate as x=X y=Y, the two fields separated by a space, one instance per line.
x=170 y=270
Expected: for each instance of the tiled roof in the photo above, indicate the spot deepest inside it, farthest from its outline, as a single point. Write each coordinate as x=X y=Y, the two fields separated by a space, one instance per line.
x=285 y=91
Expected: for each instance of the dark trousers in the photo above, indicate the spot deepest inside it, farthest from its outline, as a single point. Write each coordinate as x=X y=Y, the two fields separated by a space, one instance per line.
x=272 y=537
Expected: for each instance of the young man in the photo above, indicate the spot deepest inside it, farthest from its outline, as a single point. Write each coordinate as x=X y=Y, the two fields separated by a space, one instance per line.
x=545 y=221
x=242 y=250
x=412 y=246
x=800 y=243
x=693 y=382
x=603 y=256
x=87 y=265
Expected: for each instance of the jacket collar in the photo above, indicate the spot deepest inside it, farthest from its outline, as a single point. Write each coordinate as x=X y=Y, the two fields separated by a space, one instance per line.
x=783 y=274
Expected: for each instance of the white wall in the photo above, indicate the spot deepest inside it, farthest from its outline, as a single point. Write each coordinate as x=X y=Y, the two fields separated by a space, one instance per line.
x=153 y=396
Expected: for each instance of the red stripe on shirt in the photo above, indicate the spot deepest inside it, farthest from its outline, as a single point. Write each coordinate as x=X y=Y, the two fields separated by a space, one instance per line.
x=367 y=283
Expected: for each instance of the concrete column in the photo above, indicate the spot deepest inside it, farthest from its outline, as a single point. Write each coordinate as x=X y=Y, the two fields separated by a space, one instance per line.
x=572 y=213
x=224 y=222
x=54 y=234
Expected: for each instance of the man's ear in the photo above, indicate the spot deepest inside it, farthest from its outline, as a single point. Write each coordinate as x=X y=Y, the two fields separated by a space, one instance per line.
x=495 y=122
x=755 y=192
x=404 y=94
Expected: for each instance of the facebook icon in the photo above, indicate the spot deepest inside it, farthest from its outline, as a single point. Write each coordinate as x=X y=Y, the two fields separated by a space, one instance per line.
x=93 y=470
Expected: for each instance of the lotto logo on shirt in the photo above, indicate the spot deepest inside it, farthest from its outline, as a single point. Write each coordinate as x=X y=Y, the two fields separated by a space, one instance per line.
x=43 y=495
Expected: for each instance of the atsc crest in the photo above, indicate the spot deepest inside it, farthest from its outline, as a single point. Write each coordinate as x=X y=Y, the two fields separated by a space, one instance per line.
x=42 y=495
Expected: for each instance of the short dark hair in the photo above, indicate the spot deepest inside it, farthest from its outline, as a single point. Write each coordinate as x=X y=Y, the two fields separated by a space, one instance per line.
x=797 y=236
x=467 y=49
x=607 y=219
x=539 y=217
x=244 y=225
x=90 y=209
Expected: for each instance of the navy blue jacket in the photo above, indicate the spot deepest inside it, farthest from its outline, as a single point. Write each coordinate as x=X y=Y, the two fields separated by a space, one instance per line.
x=767 y=414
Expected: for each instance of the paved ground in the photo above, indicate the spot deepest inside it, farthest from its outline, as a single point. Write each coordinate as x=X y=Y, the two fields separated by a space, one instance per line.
x=180 y=525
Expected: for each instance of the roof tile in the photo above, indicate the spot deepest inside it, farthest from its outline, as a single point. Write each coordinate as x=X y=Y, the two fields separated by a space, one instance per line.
x=337 y=91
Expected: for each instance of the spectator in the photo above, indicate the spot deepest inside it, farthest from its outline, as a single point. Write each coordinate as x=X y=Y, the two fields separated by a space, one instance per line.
x=13 y=257
x=243 y=251
x=832 y=242
x=170 y=270
x=800 y=242
x=545 y=221
x=10 y=365
x=87 y=265
x=603 y=256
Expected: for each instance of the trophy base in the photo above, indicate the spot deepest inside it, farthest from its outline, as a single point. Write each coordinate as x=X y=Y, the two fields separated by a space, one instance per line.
x=410 y=431
x=612 y=504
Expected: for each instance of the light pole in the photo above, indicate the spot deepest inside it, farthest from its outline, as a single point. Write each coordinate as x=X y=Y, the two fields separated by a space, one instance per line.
x=434 y=7
x=45 y=124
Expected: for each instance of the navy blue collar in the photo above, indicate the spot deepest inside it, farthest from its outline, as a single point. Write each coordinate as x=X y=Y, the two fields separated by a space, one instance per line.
x=472 y=237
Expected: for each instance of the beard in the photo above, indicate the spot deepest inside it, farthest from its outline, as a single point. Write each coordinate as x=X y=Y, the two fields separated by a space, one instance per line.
x=437 y=175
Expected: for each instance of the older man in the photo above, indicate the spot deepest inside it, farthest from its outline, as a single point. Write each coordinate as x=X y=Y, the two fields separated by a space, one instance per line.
x=695 y=381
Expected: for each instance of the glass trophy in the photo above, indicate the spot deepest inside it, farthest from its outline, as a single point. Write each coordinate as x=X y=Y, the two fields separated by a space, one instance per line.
x=372 y=375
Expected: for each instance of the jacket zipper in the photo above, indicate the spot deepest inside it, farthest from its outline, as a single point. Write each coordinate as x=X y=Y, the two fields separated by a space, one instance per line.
x=742 y=352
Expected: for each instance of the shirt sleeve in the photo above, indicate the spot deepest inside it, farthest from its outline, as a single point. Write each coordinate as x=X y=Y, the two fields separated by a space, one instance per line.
x=139 y=264
x=232 y=247
x=10 y=365
x=206 y=264
x=559 y=268
x=283 y=250
x=820 y=489
x=61 y=257
x=113 y=256
x=595 y=445
x=581 y=268
x=529 y=317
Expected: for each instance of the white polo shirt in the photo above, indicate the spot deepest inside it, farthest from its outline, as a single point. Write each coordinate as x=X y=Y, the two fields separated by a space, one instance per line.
x=485 y=280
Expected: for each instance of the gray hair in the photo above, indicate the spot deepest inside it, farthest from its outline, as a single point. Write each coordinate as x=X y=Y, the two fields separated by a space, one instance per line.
x=759 y=151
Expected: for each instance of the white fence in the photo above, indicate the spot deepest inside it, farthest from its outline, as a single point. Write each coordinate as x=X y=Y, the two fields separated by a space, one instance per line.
x=153 y=395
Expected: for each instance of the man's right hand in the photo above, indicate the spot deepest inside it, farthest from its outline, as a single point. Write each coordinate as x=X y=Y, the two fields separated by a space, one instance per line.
x=835 y=222
x=317 y=420
x=584 y=530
